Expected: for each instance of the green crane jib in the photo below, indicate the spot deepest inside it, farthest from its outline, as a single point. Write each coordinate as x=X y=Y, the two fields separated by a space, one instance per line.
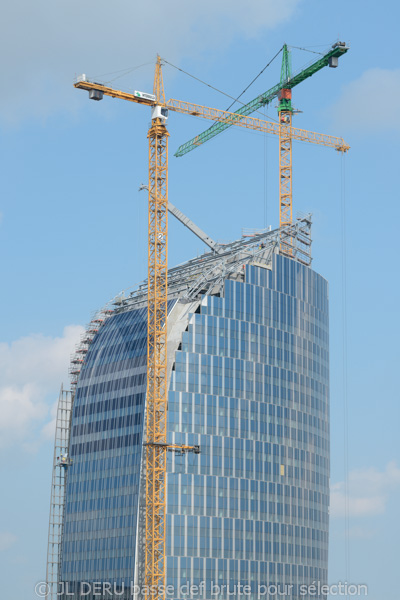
x=288 y=81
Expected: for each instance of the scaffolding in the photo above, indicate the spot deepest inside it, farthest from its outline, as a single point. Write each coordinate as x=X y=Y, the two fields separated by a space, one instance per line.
x=205 y=274
x=61 y=462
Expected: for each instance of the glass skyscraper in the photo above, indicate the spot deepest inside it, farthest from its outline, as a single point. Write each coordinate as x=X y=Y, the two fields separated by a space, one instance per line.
x=248 y=383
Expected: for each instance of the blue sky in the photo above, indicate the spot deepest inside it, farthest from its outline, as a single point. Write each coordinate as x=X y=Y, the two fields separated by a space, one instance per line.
x=73 y=224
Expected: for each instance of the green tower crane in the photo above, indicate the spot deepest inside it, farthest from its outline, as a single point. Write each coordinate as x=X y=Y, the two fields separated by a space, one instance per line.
x=282 y=91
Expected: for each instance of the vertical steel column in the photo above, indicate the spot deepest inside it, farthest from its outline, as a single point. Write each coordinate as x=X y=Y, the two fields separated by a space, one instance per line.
x=156 y=411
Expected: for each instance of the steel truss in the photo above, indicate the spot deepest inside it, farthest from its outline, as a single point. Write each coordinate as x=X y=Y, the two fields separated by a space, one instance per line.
x=58 y=488
x=156 y=407
x=62 y=460
x=205 y=274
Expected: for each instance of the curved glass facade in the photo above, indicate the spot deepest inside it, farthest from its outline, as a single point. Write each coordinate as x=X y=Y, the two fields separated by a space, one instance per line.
x=102 y=492
x=250 y=385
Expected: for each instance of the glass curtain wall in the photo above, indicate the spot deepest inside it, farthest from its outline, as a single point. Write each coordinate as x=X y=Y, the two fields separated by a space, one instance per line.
x=250 y=385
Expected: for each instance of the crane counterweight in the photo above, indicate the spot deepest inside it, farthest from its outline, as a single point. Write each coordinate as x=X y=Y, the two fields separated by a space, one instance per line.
x=95 y=95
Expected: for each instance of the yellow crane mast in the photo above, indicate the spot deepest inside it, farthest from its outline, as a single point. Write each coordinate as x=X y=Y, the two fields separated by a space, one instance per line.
x=285 y=168
x=156 y=446
x=285 y=175
x=156 y=400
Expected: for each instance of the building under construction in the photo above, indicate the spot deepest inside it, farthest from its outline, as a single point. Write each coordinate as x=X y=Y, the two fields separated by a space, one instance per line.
x=192 y=453
x=248 y=385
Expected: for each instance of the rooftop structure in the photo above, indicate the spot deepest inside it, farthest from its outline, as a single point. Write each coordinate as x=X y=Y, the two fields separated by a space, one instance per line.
x=205 y=275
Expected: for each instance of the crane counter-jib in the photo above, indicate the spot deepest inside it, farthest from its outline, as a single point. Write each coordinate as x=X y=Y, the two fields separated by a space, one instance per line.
x=328 y=59
x=83 y=83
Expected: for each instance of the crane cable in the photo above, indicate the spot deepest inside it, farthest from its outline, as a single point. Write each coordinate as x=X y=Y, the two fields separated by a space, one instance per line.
x=121 y=72
x=255 y=78
x=199 y=80
x=220 y=91
x=344 y=373
x=306 y=50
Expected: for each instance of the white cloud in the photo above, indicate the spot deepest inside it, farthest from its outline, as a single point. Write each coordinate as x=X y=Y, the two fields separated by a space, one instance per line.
x=20 y=405
x=47 y=42
x=7 y=540
x=32 y=370
x=368 y=491
x=359 y=107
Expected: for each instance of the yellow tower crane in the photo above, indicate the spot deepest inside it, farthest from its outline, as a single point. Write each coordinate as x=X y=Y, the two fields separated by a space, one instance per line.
x=157 y=393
